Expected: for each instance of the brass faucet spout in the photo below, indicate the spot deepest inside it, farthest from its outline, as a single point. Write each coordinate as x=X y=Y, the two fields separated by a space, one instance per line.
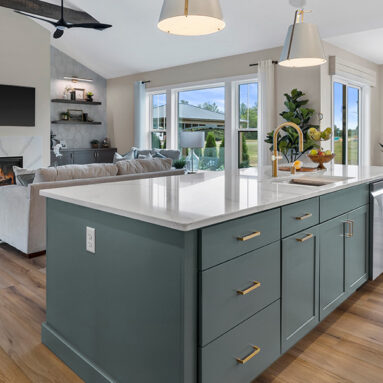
x=275 y=156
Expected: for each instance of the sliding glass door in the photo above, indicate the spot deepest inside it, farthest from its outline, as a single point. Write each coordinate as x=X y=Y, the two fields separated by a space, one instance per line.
x=347 y=123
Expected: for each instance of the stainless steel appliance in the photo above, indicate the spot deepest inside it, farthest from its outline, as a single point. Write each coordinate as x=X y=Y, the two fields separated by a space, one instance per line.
x=376 y=229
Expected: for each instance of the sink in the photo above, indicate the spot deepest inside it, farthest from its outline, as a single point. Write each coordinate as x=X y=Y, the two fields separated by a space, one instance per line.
x=312 y=181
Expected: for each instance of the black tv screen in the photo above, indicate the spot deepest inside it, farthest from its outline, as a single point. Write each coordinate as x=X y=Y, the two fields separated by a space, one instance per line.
x=17 y=106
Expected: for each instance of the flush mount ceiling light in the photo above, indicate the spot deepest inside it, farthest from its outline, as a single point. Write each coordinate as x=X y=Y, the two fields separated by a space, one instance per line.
x=191 y=17
x=303 y=46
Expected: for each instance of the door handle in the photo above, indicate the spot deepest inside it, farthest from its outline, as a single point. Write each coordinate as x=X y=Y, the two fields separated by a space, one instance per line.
x=350 y=231
x=250 y=236
x=308 y=215
x=305 y=238
x=250 y=289
x=256 y=351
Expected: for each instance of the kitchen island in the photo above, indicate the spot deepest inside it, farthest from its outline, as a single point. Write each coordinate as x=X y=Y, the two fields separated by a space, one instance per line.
x=203 y=278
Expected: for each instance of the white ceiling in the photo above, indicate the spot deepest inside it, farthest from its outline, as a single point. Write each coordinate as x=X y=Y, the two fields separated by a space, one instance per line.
x=134 y=44
x=367 y=44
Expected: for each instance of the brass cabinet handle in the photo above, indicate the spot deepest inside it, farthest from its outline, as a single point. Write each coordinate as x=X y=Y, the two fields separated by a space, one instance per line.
x=305 y=238
x=350 y=231
x=249 y=357
x=307 y=215
x=250 y=236
x=250 y=289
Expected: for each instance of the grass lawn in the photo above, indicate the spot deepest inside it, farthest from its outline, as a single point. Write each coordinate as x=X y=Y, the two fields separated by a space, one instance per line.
x=352 y=151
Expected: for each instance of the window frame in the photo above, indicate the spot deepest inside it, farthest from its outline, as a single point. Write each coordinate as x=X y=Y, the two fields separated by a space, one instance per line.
x=362 y=133
x=231 y=85
x=238 y=129
x=149 y=106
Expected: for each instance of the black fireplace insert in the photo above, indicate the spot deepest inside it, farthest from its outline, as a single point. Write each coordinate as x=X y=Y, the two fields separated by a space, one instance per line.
x=7 y=176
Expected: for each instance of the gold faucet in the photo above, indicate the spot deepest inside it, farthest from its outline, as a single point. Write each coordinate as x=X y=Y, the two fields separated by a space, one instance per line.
x=275 y=157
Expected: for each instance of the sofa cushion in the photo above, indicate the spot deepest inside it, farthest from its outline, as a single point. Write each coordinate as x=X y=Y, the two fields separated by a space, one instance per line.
x=21 y=171
x=169 y=153
x=45 y=175
x=73 y=172
x=156 y=165
x=144 y=166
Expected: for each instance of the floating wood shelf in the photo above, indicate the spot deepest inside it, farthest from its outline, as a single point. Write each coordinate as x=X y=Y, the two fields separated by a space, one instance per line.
x=73 y=122
x=78 y=102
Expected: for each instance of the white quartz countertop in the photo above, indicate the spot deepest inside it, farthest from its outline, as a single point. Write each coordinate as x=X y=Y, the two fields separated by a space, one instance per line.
x=194 y=201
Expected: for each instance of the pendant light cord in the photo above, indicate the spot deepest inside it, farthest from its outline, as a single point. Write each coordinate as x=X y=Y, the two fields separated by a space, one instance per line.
x=186 y=8
x=292 y=34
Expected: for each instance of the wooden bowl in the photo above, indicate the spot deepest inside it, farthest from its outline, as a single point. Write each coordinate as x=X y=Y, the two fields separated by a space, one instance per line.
x=321 y=160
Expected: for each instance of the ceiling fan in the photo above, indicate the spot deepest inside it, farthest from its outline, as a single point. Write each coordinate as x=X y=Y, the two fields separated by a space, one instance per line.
x=61 y=25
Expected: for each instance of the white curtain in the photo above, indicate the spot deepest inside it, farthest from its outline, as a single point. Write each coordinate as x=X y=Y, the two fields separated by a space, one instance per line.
x=140 y=136
x=267 y=117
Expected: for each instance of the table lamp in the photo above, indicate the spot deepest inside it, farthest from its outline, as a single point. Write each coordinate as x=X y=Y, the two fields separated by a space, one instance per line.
x=192 y=140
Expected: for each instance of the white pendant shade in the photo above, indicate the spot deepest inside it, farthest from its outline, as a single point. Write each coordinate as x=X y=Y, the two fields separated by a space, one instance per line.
x=305 y=47
x=191 y=17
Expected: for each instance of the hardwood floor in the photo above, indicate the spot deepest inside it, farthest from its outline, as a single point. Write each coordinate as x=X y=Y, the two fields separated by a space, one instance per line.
x=346 y=347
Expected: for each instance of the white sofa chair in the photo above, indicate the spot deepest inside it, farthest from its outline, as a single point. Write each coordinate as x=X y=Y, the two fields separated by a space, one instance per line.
x=22 y=209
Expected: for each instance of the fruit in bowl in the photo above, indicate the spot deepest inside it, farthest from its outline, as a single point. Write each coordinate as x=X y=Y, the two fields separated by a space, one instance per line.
x=321 y=157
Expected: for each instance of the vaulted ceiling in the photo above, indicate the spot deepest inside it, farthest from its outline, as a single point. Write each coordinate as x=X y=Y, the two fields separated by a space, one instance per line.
x=134 y=44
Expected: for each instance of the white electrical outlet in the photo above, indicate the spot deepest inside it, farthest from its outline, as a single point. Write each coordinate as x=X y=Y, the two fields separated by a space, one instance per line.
x=91 y=239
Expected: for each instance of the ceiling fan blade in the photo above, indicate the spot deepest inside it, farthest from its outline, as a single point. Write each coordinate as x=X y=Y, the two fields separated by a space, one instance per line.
x=98 y=26
x=58 y=33
x=38 y=18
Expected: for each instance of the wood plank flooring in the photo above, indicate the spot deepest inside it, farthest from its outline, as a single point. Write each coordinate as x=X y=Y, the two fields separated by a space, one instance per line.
x=346 y=348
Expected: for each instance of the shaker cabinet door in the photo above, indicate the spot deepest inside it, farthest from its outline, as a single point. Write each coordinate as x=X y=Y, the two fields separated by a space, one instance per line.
x=300 y=286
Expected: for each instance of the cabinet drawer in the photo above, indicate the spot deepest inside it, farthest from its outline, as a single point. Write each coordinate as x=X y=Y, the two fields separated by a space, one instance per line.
x=343 y=201
x=259 y=333
x=220 y=243
x=236 y=290
x=299 y=216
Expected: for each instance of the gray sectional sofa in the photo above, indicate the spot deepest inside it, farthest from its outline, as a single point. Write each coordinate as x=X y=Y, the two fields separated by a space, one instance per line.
x=22 y=209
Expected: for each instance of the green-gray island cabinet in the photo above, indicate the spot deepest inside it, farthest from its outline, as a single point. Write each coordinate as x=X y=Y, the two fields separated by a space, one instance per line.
x=215 y=304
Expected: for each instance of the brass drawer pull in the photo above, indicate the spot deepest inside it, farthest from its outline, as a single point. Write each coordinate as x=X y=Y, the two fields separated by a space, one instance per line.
x=251 y=356
x=250 y=236
x=250 y=289
x=306 y=238
x=308 y=215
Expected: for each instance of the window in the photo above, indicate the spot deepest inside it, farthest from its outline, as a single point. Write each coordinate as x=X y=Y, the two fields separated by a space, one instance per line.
x=203 y=110
x=347 y=119
x=158 y=123
x=248 y=124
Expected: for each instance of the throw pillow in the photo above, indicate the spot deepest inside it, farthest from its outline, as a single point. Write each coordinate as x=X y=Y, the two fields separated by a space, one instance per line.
x=140 y=152
x=124 y=157
x=21 y=171
x=169 y=153
x=25 y=179
x=145 y=157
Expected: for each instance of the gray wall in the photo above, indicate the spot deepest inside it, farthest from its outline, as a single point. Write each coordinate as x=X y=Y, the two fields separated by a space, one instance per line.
x=77 y=136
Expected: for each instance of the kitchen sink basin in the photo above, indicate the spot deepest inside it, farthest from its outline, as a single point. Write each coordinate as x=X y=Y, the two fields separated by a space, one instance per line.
x=312 y=181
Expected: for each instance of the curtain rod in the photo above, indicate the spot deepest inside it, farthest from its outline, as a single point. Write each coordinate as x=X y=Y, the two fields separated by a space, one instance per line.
x=274 y=62
x=145 y=82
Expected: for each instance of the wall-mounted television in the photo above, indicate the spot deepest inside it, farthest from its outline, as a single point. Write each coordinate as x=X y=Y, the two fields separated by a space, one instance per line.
x=17 y=105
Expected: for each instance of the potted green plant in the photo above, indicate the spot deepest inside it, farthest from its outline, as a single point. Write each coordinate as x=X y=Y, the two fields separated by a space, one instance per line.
x=296 y=112
x=89 y=96
x=179 y=164
x=95 y=144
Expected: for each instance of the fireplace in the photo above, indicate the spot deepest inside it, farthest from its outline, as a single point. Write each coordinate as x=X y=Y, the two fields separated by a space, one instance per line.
x=7 y=177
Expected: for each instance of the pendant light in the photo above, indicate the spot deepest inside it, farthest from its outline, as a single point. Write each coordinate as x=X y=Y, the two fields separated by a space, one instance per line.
x=191 y=17
x=303 y=46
